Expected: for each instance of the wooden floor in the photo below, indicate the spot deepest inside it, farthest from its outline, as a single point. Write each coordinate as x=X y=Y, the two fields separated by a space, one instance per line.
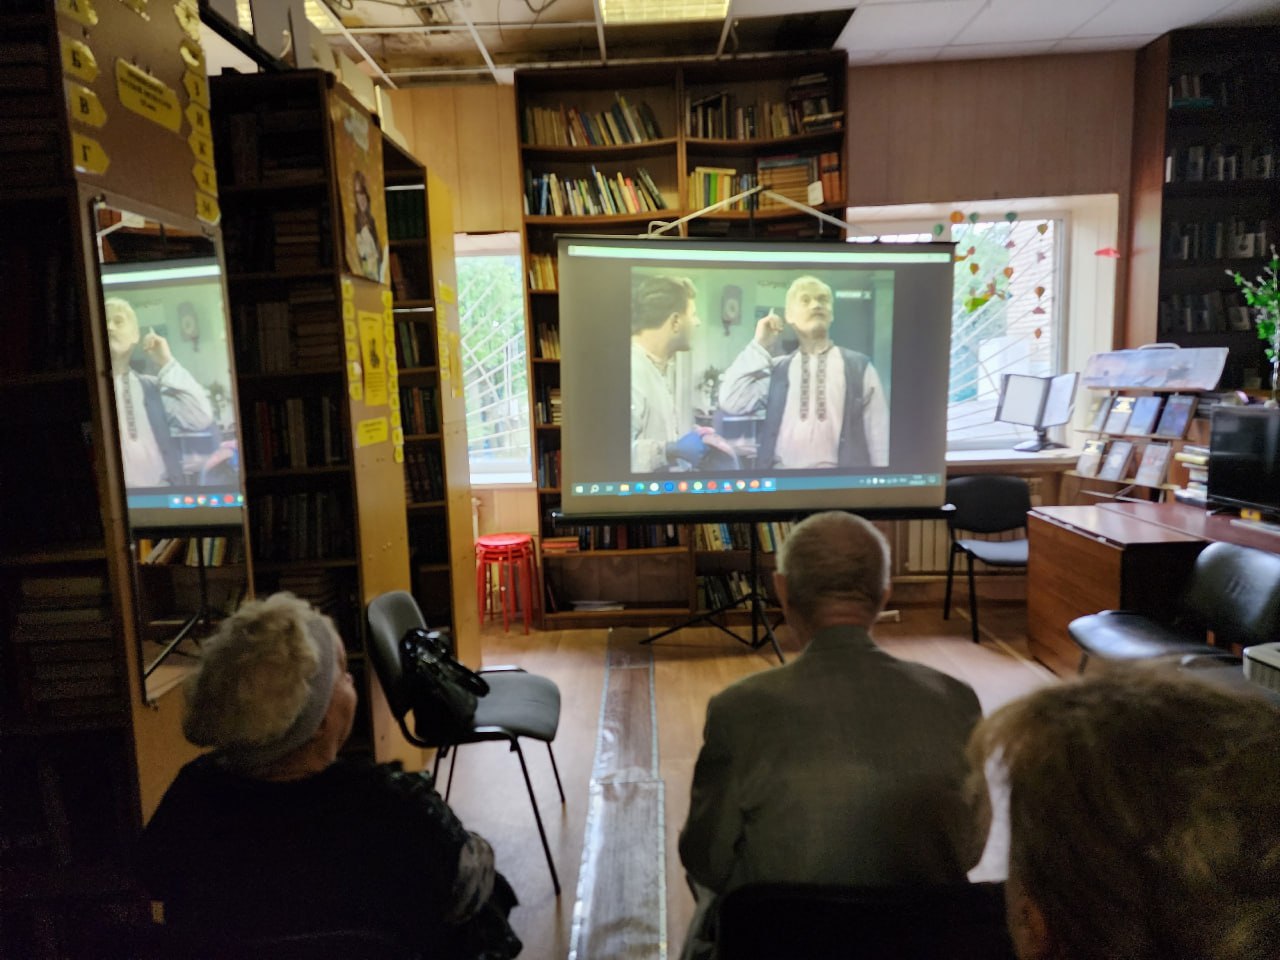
x=687 y=668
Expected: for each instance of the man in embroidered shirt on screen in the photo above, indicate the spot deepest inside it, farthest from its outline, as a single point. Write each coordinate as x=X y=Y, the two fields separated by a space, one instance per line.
x=150 y=406
x=663 y=320
x=824 y=405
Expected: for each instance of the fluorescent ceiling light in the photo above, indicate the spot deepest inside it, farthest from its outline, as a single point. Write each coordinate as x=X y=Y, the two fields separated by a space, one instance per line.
x=662 y=11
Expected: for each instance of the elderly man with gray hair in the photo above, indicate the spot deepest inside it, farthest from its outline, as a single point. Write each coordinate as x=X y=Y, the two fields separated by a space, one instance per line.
x=846 y=766
x=271 y=834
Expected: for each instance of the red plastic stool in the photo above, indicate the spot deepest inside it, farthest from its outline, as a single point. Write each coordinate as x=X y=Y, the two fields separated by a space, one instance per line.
x=512 y=555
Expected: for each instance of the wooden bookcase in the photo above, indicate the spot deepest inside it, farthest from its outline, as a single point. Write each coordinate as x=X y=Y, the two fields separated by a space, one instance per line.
x=325 y=486
x=432 y=414
x=1206 y=188
x=676 y=138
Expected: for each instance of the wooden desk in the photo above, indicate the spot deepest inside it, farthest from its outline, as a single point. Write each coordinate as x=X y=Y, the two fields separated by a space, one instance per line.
x=1197 y=522
x=1089 y=558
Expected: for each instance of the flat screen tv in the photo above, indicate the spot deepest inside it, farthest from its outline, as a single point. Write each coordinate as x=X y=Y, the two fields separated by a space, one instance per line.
x=709 y=377
x=1244 y=459
x=175 y=393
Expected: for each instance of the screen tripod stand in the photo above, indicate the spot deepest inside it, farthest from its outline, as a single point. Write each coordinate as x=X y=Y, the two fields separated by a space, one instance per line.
x=755 y=601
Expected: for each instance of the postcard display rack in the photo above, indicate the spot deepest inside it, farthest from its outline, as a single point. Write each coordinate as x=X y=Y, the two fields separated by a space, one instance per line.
x=1206 y=189
x=1148 y=428
x=610 y=150
x=96 y=101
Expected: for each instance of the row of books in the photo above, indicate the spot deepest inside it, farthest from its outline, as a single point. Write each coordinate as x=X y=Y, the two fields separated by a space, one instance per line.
x=723 y=589
x=305 y=525
x=423 y=473
x=810 y=106
x=172 y=551
x=299 y=333
x=296 y=153
x=616 y=536
x=548 y=341
x=547 y=406
x=550 y=194
x=332 y=592
x=418 y=409
x=1233 y=239
x=561 y=126
x=414 y=345
x=737 y=535
x=406 y=213
x=1152 y=415
x=295 y=433
x=549 y=469
x=544 y=272
x=64 y=651
x=1211 y=311
x=1124 y=460
x=43 y=328
x=409 y=275
x=793 y=174
x=51 y=460
x=1195 y=460
x=1220 y=162
x=288 y=240
x=1215 y=90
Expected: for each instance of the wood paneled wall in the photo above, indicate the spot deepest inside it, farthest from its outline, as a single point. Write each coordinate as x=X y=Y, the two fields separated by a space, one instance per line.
x=468 y=137
x=988 y=129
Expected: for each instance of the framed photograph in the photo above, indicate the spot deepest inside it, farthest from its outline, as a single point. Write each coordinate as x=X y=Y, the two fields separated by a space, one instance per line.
x=1119 y=414
x=1116 y=464
x=1091 y=457
x=1176 y=417
x=1154 y=463
x=1143 y=419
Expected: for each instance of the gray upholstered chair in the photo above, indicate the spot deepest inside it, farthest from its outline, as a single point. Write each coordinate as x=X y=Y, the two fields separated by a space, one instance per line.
x=1234 y=592
x=518 y=704
x=985 y=503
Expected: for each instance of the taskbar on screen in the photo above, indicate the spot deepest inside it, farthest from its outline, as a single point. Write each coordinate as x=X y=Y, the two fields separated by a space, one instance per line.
x=615 y=488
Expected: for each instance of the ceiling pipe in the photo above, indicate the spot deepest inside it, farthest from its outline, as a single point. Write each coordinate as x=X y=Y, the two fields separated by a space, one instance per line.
x=475 y=36
x=604 y=56
x=350 y=38
x=724 y=30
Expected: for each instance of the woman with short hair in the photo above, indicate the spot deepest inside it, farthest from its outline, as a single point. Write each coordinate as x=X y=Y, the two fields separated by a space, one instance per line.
x=270 y=833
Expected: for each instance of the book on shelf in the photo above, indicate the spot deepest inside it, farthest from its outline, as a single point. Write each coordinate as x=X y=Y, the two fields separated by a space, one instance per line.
x=1194 y=454
x=1153 y=465
x=1176 y=416
x=1115 y=466
x=1118 y=415
x=1143 y=418
x=1091 y=457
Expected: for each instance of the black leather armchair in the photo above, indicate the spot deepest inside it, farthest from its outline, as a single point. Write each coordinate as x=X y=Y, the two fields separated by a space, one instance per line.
x=1234 y=592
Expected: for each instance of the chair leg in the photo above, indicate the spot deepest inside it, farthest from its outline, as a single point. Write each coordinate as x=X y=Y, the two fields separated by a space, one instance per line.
x=1084 y=658
x=542 y=834
x=973 y=600
x=951 y=567
x=482 y=583
x=555 y=770
x=453 y=765
x=435 y=771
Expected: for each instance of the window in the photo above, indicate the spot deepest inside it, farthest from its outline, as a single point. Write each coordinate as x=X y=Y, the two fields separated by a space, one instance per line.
x=1007 y=314
x=495 y=373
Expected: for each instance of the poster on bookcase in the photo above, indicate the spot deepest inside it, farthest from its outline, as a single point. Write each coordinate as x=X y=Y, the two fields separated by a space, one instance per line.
x=357 y=155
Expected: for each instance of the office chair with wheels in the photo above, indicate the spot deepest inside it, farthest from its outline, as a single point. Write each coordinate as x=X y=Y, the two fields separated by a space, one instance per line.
x=985 y=503
x=961 y=922
x=518 y=704
x=1234 y=592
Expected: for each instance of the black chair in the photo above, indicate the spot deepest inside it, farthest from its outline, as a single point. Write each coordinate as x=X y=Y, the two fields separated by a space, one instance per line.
x=766 y=921
x=1234 y=592
x=518 y=704
x=155 y=942
x=985 y=503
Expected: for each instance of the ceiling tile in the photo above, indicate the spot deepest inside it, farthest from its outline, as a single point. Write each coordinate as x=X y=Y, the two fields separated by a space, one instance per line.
x=1005 y=21
x=887 y=26
x=1128 y=17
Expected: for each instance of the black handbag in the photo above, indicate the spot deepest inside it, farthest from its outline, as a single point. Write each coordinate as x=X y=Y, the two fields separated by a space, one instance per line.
x=442 y=691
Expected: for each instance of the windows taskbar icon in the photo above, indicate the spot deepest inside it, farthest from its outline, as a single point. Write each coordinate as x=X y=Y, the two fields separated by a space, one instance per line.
x=188 y=500
x=629 y=487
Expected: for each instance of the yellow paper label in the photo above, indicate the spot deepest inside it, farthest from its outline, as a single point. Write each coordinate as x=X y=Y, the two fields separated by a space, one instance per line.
x=81 y=11
x=198 y=117
x=207 y=208
x=78 y=59
x=348 y=309
x=83 y=105
x=206 y=178
x=88 y=155
x=139 y=7
x=386 y=298
x=397 y=434
x=394 y=401
x=353 y=350
x=369 y=432
x=147 y=97
x=398 y=453
x=356 y=390
x=455 y=361
x=375 y=361
x=188 y=20
x=349 y=329
x=197 y=87
x=201 y=146
x=192 y=54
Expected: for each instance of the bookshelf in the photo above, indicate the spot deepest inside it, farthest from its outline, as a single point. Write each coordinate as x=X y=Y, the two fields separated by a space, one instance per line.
x=432 y=412
x=1206 y=195
x=325 y=486
x=608 y=150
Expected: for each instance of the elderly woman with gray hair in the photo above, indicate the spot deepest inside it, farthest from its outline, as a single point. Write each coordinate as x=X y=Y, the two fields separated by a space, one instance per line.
x=270 y=833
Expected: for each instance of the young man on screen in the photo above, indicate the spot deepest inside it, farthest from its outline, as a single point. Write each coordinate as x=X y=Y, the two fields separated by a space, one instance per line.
x=150 y=406
x=846 y=766
x=663 y=320
x=824 y=405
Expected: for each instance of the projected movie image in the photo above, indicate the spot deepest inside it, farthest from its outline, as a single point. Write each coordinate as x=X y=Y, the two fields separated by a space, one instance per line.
x=752 y=369
x=171 y=372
